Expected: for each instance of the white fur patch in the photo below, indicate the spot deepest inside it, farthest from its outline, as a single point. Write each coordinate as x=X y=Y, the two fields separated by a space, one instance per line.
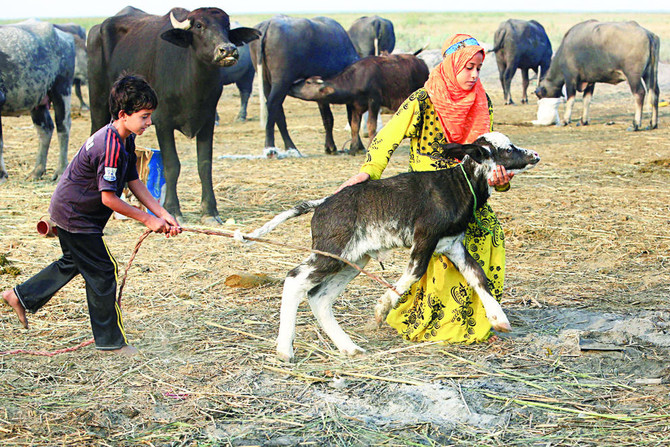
x=497 y=139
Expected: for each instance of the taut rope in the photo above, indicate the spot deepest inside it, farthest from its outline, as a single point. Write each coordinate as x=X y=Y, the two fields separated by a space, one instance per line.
x=211 y=233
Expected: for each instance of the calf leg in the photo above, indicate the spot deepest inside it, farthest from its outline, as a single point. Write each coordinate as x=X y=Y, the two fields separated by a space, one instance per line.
x=475 y=277
x=355 y=113
x=419 y=259
x=321 y=301
x=328 y=121
x=45 y=128
x=296 y=285
x=373 y=109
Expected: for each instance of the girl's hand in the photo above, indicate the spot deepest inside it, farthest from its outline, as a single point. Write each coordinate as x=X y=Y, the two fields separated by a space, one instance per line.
x=358 y=178
x=500 y=176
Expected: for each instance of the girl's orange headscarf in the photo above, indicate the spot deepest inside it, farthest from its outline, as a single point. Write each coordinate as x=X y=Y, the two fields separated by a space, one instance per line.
x=464 y=114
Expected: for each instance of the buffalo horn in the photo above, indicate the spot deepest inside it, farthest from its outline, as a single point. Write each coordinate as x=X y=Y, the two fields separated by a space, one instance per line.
x=186 y=24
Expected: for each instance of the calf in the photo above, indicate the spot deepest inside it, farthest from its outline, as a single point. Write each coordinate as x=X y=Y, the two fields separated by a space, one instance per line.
x=368 y=84
x=425 y=211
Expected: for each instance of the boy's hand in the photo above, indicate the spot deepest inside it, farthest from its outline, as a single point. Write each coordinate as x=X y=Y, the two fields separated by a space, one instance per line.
x=161 y=225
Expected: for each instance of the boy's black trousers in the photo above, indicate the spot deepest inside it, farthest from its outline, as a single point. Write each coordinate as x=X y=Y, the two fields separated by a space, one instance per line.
x=86 y=254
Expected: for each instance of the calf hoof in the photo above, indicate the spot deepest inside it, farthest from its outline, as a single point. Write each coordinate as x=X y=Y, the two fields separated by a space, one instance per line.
x=524 y=101
x=502 y=326
x=352 y=351
x=583 y=123
x=3 y=177
x=633 y=128
x=285 y=355
x=382 y=309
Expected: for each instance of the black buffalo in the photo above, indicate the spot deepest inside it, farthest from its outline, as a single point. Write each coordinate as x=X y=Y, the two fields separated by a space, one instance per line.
x=372 y=35
x=524 y=45
x=242 y=75
x=80 y=59
x=292 y=49
x=608 y=52
x=181 y=54
x=36 y=71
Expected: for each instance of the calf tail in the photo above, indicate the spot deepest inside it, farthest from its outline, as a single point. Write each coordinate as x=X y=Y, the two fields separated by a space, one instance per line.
x=298 y=210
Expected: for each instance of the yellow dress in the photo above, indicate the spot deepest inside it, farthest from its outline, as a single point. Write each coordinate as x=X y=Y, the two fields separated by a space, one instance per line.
x=440 y=306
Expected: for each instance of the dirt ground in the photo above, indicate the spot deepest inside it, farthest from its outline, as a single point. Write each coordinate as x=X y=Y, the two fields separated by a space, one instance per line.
x=587 y=292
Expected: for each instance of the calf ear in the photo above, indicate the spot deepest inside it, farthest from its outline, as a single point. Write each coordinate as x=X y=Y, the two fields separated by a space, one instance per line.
x=240 y=36
x=179 y=37
x=459 y=151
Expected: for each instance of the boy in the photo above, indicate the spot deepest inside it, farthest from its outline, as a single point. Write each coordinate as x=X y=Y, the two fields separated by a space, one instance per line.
x=85 y=197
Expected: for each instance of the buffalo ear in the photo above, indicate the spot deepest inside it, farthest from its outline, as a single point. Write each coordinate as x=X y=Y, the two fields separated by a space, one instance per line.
x=327 y=90
x=179 y=37
x=240 y=36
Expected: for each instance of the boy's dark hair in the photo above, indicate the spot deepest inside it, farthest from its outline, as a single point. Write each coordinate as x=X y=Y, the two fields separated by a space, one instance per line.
x=131 y=93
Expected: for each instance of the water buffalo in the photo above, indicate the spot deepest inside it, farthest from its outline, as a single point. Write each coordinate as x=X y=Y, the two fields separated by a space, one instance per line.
x=181 y=54
x=367 y=84
x=36 y=70
x=372 y=35
x=242 y=75
x=608 y=52
x=80 y=58
x=292 y=49
x=520 y=44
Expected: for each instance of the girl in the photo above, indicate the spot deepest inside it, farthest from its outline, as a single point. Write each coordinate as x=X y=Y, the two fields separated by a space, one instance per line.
x=452 y=107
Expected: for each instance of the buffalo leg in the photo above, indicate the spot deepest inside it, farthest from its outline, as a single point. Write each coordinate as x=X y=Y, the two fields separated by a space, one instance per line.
x=587 y=97
x=650 y=79
x=328 y=121
x=45 y=128
x=506 y=81
x=638 y=90
x=275 y=99
x=61 y=104
x=571 y=92
x=204 y=142
x=524 y=86
x=172 y=168
x=3 y=168
x=77 y=91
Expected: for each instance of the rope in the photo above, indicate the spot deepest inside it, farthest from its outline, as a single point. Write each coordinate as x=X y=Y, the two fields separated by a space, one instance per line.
x=211 y=233
x=479 y=223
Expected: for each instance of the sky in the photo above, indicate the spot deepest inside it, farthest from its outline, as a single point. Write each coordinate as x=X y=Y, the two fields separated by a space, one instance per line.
x=21 y=9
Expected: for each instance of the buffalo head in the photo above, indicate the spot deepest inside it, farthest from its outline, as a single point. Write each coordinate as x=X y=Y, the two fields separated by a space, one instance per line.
x=207 y=31
x=547 y=89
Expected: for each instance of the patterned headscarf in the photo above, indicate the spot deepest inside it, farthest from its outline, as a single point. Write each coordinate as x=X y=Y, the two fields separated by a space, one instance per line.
x=464 y=114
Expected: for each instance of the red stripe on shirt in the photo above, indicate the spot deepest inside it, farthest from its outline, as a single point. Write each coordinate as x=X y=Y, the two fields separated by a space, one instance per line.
x=112 y=150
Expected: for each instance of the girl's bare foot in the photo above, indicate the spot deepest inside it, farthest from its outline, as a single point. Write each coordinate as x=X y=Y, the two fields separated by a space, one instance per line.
x=10 y=298
x=493 y=338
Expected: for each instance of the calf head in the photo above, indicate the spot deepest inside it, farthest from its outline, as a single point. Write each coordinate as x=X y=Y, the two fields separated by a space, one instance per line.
x=311 y=89
x=207 y=31
x=494 y=149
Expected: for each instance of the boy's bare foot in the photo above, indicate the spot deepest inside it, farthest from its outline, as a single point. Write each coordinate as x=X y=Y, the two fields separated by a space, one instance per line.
x=127 y=350
x=10 y=298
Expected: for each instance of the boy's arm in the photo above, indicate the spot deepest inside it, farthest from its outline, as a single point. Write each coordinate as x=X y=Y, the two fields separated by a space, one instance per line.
x=140 y=191
x=156 y=224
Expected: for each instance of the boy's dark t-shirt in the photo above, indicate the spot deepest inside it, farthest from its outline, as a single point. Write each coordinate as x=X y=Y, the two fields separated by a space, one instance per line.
x=104 y=163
